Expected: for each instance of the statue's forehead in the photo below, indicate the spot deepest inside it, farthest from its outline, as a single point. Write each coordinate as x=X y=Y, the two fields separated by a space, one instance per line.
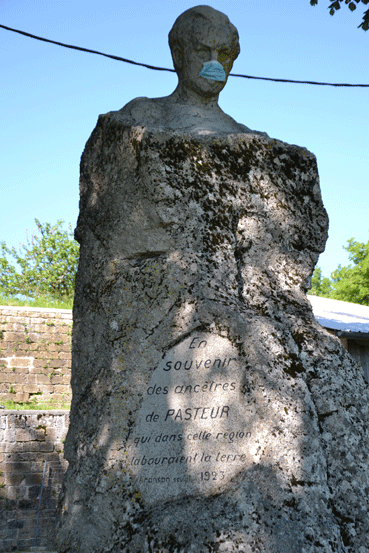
x=210 y=36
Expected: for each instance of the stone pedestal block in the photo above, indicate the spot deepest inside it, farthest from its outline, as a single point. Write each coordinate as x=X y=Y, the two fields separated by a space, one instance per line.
x=211 y=412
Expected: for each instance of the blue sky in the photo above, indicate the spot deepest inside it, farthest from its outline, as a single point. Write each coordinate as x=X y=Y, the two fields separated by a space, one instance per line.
x=50 y=97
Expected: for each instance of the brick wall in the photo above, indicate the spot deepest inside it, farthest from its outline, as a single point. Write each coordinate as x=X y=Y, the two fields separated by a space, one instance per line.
x=35 y=355
x=29 y=488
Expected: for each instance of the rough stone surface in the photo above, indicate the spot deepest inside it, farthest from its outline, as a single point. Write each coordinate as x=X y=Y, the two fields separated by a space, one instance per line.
x=191 y=319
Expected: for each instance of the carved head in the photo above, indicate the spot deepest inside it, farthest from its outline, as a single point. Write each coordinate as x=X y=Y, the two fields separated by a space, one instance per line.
x=199 y=35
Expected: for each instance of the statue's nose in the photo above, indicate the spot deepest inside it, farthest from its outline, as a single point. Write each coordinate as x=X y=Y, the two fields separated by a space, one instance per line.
x=213 y=55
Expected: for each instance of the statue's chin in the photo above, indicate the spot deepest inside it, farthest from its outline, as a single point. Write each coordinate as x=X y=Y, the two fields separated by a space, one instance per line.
x=203 y=87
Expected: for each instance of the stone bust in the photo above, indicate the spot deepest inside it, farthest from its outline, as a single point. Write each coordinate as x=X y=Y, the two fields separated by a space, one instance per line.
x=199 y=35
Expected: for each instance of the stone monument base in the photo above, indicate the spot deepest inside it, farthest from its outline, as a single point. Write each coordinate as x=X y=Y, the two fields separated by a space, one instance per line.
x=211 y=412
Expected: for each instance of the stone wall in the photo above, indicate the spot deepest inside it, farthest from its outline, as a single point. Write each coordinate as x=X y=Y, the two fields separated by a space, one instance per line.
x=35 y=355
x=32 y=467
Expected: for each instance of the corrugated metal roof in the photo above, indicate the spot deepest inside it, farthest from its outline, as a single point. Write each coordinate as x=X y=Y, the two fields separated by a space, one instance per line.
x=340 y=315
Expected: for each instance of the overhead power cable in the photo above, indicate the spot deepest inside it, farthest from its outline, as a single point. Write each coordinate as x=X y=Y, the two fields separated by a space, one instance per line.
x=172 y=70
x=86 y=50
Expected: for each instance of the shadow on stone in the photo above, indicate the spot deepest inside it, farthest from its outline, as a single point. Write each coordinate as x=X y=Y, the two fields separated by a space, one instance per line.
x=30 y=441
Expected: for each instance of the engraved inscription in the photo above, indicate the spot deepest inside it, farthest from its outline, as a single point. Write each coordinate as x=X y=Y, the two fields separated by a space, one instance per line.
x=192 y=431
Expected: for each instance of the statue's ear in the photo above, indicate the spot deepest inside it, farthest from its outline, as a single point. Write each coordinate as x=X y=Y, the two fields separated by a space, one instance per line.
x=177 y=55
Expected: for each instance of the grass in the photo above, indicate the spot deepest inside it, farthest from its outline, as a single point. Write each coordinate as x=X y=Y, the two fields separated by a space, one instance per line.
x=32 y=405
x=40 y=301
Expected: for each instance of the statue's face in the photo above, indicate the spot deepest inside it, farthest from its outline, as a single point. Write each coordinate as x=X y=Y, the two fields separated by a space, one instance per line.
x=212 y=43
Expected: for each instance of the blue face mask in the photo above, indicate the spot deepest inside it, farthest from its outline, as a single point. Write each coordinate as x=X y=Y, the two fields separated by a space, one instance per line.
x=213 y=70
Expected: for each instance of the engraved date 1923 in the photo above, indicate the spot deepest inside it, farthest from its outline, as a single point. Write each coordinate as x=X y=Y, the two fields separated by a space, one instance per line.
x=212 y=475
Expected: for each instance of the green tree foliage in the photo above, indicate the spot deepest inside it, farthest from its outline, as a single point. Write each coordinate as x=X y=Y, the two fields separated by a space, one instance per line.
x=352 y=283
x=349 y=283
x=45 y=266
x=320 y=286
x=336 y=5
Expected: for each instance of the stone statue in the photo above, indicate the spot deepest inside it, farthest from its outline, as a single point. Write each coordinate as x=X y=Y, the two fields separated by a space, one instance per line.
x=211 y=412
x=201 y=40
